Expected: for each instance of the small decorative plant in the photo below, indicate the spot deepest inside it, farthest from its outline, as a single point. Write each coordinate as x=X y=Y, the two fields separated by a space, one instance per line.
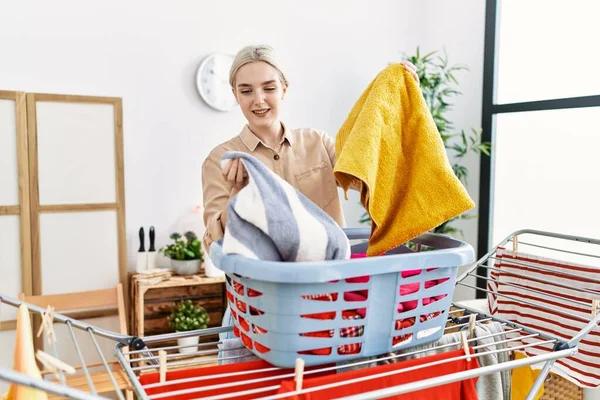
x=185 y=253
x=187 y=316
x=186 y=247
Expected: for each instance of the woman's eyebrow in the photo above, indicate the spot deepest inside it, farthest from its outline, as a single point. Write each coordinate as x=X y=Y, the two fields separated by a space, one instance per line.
x=272 y=81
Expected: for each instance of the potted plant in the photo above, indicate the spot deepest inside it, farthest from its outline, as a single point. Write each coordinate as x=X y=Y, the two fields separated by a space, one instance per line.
x=185 y=253
x=187 y=316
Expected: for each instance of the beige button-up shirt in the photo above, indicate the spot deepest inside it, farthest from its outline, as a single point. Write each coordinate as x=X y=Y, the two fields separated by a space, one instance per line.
x=304 y=158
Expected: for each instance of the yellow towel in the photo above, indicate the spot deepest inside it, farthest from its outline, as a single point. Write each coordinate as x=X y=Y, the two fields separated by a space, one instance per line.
x=522 y=380
x=25 y=360
x=390 y=150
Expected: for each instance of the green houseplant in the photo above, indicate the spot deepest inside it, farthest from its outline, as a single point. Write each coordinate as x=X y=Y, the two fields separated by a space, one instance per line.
x=187 y=316
x=185 y=253
x=439 y=84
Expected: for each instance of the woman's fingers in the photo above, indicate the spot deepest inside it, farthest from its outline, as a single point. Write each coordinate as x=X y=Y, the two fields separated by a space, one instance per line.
x=231 y=174
x=410 y=67
x=235 y=173
x=240 y=173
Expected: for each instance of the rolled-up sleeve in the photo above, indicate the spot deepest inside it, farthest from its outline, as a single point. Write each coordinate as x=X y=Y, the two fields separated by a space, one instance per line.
x=216 y=195
x=329 y=144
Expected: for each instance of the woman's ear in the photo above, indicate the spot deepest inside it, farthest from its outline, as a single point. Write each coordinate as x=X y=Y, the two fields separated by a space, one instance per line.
x=284 y=91
x=235 y=95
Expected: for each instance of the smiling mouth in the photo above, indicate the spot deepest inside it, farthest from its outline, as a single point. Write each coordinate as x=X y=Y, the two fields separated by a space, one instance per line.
x=261 y=112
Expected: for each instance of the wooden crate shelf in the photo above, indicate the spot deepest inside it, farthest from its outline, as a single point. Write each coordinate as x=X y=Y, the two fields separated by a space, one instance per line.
x=152 y=304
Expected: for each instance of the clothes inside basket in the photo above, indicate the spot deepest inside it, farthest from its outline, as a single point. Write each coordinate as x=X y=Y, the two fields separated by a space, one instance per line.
x=356 y=331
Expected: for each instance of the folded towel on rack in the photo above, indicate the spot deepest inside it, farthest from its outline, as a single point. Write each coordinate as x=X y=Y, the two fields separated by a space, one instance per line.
x=548 y=295
x=390 y=150
x=24 y=360
x=270 y=220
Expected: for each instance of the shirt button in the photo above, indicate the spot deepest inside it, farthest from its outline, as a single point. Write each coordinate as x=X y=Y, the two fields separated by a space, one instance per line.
x=276 y=157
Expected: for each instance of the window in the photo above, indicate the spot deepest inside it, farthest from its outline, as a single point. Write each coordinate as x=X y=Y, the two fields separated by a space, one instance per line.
x=541 y=110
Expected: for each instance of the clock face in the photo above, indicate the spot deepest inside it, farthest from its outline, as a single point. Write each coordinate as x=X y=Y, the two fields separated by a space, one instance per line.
x=212 y=80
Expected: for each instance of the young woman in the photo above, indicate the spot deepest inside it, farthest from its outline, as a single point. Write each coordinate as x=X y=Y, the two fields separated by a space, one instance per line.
x=302 y=157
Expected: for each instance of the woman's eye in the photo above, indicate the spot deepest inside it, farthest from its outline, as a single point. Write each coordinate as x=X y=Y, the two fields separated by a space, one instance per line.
x=246 y=91
x=269 y=89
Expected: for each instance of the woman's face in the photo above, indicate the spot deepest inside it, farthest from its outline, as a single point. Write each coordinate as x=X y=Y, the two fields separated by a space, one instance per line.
x=259 y=92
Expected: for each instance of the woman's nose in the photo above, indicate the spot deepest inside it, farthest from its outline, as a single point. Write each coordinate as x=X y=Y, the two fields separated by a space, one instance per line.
x=259 y=97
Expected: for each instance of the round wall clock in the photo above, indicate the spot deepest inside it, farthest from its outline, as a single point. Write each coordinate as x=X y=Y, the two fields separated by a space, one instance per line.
x=212 y=81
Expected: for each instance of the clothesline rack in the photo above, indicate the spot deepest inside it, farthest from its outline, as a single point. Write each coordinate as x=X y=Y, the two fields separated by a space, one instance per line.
x=139 y=356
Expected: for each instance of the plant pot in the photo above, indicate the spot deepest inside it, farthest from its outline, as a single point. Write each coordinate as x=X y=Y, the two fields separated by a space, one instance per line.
x=185 y=267
x=186 y=342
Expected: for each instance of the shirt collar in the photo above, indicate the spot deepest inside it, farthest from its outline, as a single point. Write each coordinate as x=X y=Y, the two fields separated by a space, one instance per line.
x=287 y=134
x=251 y=140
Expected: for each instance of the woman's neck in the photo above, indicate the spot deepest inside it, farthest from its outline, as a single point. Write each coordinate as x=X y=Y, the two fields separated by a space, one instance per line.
x=269 y=135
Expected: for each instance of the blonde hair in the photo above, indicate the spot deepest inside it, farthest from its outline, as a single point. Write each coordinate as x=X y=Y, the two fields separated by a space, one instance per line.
x=250 y=54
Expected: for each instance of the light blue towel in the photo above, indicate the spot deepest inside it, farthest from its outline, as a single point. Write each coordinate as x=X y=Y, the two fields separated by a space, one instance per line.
x=270 y=220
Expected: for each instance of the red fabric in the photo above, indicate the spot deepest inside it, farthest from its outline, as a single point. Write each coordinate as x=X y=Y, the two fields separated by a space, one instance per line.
x=217 y=370
x=404 y=323
x=352 y=331
x=463 y=390
x=409 y=288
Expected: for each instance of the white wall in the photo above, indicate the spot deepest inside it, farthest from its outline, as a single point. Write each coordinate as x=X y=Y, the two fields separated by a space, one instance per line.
x=148 y=54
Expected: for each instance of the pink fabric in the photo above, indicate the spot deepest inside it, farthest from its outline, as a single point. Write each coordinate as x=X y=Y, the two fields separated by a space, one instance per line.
x=358 y=279
x=355 y=296
x=361 y=295
x=413 y=288
x=409 y=273
x=409 y=288
x=358 y=255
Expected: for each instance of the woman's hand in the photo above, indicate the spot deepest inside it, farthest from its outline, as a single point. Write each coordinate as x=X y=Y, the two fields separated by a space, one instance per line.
x=235 y=174
x=410 y=67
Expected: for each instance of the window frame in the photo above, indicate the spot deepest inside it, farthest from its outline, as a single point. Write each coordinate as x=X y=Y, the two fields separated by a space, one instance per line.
x=489 y=110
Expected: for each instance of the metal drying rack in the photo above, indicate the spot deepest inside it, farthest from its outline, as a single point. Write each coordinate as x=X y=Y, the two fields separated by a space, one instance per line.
x=139 y=356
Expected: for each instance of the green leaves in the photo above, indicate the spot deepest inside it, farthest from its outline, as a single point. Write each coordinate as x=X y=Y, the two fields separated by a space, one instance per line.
x=186 y=247
x=187 y=316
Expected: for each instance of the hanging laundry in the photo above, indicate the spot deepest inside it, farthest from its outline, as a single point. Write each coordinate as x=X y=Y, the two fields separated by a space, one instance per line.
x=24 y=360
x=462 y=390
x=495 y=386
x=523 y=379
x=489 y=387
x=517 y=275
x=270 y=220
x=218 y=375
x=389 y=149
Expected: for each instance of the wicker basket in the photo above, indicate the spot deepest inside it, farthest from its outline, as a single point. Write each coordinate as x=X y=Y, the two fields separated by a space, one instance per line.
x=558 y=388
